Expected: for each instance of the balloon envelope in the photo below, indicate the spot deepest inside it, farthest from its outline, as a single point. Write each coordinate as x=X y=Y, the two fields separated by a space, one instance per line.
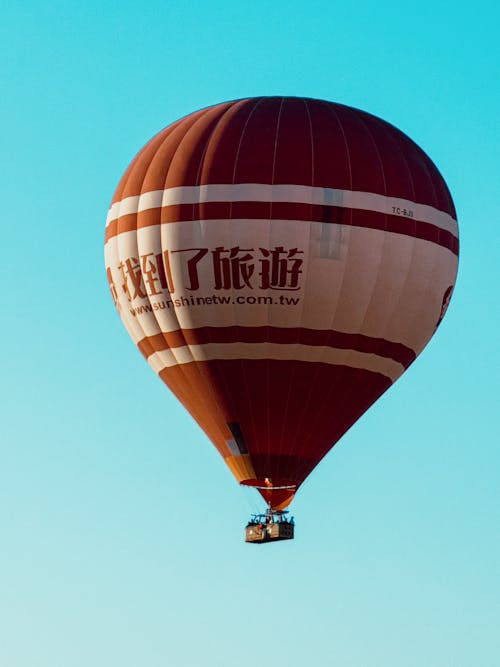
x=280 y=262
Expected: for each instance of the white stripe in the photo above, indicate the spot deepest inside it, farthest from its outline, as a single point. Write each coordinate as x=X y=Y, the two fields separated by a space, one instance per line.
x=136 y=204
x=282 y=352
x=299 y=194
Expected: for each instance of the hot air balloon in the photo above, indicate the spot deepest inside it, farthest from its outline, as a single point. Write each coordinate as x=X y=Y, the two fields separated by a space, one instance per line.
x=280 y=262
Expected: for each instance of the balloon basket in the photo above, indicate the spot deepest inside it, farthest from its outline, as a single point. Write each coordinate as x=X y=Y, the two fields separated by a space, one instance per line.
x=273 y=526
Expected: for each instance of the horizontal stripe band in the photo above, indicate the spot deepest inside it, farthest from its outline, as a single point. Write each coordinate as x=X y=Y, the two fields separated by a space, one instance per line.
x=281 y=335
x=263 y=211
x=161 y=361
x=281 y=193
x=275 y=488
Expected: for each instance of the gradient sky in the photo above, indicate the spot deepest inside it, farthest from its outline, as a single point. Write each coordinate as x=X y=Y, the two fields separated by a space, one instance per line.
x=121 y=529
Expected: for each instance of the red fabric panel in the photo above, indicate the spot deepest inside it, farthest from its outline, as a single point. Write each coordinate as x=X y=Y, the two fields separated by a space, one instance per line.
x=287 y=427
x=288 y=140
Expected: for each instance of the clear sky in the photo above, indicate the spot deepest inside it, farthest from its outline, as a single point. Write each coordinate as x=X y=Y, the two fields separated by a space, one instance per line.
x=121 y=529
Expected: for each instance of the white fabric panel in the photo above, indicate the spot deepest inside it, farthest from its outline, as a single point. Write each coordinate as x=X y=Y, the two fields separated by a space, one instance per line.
x=353 y=279
x=112 y=262
x=144 y=320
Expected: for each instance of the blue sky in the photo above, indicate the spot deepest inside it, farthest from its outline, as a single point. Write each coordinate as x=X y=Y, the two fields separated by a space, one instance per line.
x=121 y=528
